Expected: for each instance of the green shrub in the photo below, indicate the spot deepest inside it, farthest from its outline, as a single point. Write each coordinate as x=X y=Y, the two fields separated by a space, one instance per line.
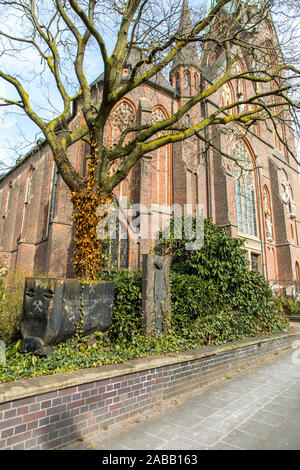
x=11 y=302
x=290 y=306
x=215 y=296
x=127 y=317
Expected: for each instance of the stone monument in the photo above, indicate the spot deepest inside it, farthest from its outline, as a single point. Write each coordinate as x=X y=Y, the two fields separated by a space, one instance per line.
x=156 y=293
x=55 y=309
x=2 y=353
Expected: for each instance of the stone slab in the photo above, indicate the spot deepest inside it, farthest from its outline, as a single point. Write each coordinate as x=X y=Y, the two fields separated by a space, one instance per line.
x=156 y=293
x=55 y=309
x=2 y=352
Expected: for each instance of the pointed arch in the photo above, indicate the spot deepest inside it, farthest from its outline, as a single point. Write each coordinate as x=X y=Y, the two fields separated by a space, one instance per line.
x=196 y=81
x=5 y=211
x=161 y=164
x=271 y=56
x=27 y=197
x=28 y=183
x=187 y=78
x=8 y=198
x=123 y=116
x=227 y=96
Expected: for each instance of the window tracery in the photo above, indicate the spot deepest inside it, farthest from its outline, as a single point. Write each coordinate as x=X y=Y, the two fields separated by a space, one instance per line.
x=244 y=190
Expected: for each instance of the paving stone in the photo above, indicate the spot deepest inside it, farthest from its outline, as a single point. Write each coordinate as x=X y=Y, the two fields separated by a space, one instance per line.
x=272 y=419
x=180 y=443
x=223 y=446
x=204 y=435
x=182 y=414
x=244 y=440
x=291 y=394
x=214 y=402
x=163 y=429
x=223 y=425
x=286 y=437
x=226 y=395
x=277 y=409
x=140 y=441
x=289 y=403
x=257 y=428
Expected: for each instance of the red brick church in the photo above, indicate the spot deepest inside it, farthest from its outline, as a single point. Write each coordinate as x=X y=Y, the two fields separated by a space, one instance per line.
x=262 y=206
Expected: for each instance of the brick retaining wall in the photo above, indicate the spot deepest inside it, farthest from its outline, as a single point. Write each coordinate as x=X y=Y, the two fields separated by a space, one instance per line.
x=48 y=412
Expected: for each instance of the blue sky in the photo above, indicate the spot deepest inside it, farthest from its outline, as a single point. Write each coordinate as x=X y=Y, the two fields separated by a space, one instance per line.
x=16 y=129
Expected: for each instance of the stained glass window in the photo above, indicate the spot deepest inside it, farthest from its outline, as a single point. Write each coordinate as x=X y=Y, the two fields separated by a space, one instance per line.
x=244 y=190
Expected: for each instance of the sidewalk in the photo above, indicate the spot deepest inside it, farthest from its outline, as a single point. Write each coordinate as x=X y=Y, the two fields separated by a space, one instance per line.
x=257 y=408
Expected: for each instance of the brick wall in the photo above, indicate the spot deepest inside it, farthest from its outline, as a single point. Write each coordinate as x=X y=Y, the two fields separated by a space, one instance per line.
x=61 y=415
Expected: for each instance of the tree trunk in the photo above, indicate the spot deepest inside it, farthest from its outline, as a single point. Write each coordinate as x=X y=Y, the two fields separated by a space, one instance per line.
x=88 y=247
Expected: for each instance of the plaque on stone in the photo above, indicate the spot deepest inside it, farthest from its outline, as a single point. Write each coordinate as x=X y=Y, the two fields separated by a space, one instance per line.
x=156 y=292
x=54 y=310
x=2 y=353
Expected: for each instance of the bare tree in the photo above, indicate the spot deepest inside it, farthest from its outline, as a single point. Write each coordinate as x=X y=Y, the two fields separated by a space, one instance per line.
x=61 y=33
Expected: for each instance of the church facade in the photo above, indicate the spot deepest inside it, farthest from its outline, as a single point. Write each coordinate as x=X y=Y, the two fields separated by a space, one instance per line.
x=260 y=205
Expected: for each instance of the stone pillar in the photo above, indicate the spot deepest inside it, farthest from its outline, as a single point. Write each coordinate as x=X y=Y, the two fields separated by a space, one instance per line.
x=156 y=293
x=2 y=353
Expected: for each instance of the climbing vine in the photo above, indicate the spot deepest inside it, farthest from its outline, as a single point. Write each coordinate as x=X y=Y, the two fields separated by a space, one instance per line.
x=88 y=247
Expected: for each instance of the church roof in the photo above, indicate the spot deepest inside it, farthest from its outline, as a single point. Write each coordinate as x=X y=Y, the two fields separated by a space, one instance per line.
x=159 y=79
x=189 y=54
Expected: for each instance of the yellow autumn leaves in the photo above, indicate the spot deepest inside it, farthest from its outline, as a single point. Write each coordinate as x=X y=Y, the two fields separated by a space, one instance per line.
x=87 y=246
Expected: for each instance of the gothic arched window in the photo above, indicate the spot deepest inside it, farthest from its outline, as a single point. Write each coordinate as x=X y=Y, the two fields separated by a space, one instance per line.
x=123 y=118
x=8 y=198
x=195 y=82
x=161 y=164
x=227 y=97
x=120 y=132
x=187 y=79
x=244 y=190
x=29 y=186
x=117 y=249
x=115 y=239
